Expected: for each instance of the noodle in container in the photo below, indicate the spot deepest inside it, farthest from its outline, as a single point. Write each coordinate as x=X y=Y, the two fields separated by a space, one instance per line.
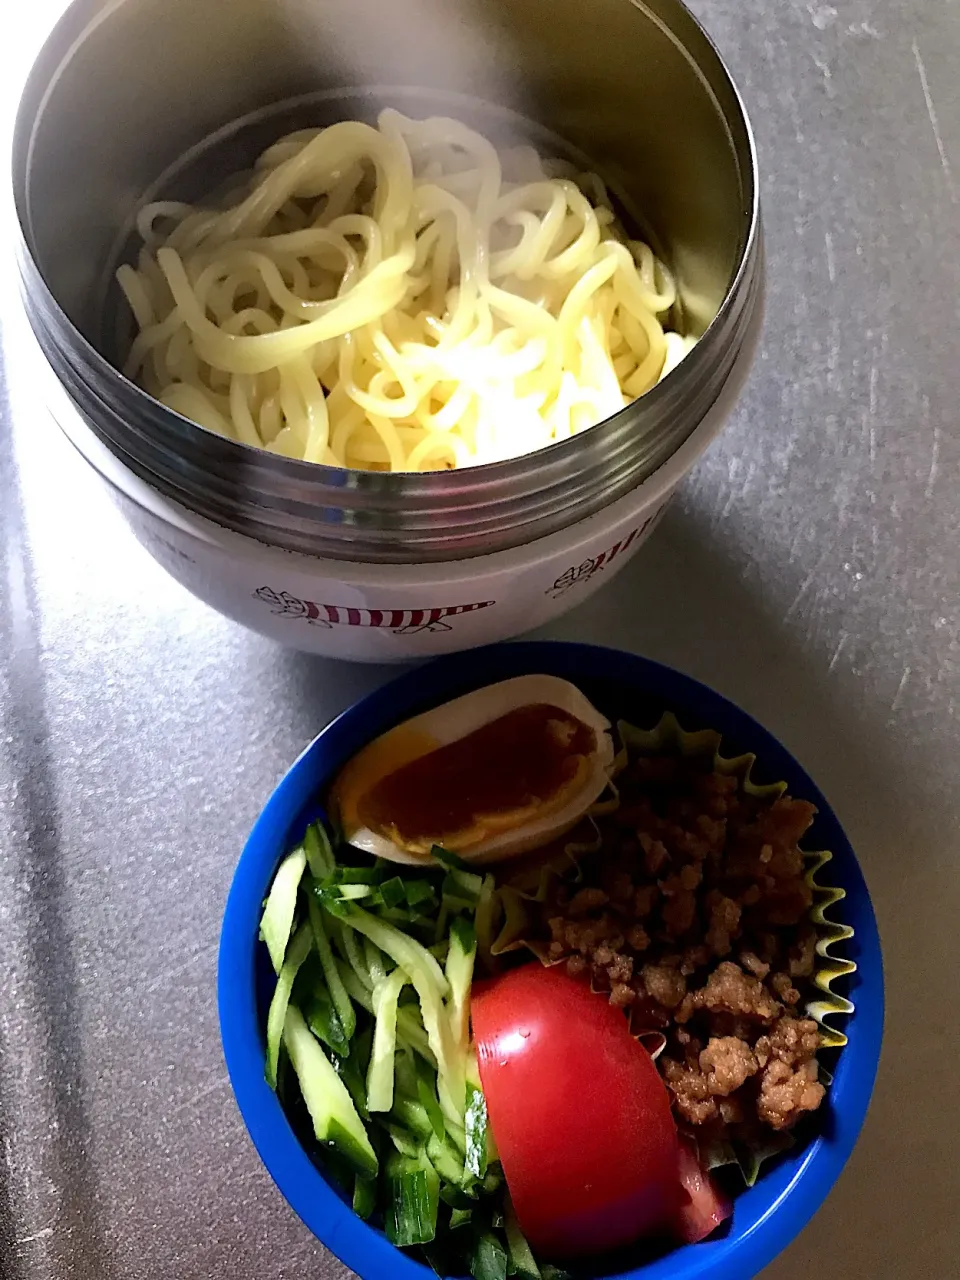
x=536 y=299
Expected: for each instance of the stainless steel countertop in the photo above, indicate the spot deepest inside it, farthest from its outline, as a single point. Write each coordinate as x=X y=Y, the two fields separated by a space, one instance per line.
x=810 y=572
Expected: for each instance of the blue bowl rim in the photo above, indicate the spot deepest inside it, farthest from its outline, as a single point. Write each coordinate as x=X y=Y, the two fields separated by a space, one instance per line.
x=353 y=1241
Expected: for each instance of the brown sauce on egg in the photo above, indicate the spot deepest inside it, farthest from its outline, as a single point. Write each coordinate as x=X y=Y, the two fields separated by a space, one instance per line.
x=521 y=759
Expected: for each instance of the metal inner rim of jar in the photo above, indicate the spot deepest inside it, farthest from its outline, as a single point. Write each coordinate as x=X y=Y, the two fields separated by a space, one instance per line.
x=399 y=517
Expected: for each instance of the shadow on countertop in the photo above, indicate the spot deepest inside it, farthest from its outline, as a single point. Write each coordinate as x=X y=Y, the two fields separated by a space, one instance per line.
x=685 y=601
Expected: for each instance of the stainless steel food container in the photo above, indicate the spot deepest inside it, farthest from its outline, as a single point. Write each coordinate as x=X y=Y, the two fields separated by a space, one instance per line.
x=168 y=97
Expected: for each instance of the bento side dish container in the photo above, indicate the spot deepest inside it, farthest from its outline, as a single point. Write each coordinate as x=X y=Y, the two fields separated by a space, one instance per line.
x=788 y=1193
x=167 y=97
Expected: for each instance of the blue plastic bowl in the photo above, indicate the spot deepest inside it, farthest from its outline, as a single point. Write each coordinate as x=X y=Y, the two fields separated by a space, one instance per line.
x=766 y=1217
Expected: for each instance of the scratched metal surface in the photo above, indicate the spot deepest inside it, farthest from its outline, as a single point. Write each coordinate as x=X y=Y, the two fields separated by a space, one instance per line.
x=810 y=572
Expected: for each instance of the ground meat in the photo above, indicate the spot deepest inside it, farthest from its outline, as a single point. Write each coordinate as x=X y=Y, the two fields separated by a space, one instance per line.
x=727 y=1062
x=692 y=1097
x=792 y=1040
x=665 y=985
x=694 y=916
x=785 y=1093
x=784 y=988
x=729 y=990
x=724 y=923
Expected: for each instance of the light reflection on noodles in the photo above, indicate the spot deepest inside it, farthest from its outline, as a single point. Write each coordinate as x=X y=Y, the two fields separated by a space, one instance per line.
x=399 y=298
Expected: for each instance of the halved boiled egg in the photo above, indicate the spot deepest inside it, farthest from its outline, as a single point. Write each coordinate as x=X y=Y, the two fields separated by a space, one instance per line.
x=498 y=772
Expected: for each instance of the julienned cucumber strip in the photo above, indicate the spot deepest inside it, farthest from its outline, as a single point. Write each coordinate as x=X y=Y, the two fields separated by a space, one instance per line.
x=456 y=1197
x=278 y=912
x=521 y=1259
x=473 y=1080
x=405 y=1142
x=373 y=958
x=392 y=892
x=489 y=1261
x=461 y=956
x=353 y=951
x=352 y=1070
x=461 y=889
x=414 y=1199
x=350 y=892
x=400 y=947
x=335 y=1119
x=297 y=952
x=380 y=1075
x=476 y=1123
x=419 y=894
x=405 y=1072
x=338 y=992
x=409 y=1031
x=445 y=1160
x=427 y=1094
x=452 y=861
x=364 y=1197
x=413 y=1116
x=430 y=985
x=356 y=875
x=321 y=1015
x=316 y=844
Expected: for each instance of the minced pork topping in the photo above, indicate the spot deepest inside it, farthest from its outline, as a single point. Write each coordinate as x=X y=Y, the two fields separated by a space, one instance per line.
x=694 y=915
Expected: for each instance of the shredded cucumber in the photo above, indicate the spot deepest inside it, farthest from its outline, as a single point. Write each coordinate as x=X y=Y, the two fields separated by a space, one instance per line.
x=322 y=1018
x=364 y=1197
x=461 y=956
x=278 y=912
x=521 y=1259
x=336 y=1122
x=338 y=992
x=489 y=1260
x=400 y=947
x=351 y=892
x=476 y=1130
x=461 y=890
x=452 y=861
x=392 y=892
x=412 y=1115
x=404 y=1141
x=446 y=1160
x=427 y=1095
x=431 y=986
x=316 y=844
x=298 y=951
x=350 y=946
x=373 y=958
x=397 y=1101
x=354 y=987
x=380 y=1075
x=410 y=1032
x=414 y=1201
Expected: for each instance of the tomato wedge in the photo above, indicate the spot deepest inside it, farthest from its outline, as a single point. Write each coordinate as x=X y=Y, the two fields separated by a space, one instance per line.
x=580 y=1116
x=704 y=1207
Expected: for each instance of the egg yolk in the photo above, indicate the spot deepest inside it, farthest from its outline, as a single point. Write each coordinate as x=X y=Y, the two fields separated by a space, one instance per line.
x=523 y=764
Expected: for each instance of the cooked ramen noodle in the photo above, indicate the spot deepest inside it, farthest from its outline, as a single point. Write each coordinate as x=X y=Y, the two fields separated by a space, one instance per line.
x=399 y=298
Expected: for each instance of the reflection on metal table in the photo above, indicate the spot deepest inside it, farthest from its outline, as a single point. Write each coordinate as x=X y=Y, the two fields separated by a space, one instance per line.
x=808 y=571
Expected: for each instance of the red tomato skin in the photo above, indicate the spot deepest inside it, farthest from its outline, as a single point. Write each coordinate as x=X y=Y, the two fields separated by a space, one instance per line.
x=704 y=1206
x=580 y=1116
